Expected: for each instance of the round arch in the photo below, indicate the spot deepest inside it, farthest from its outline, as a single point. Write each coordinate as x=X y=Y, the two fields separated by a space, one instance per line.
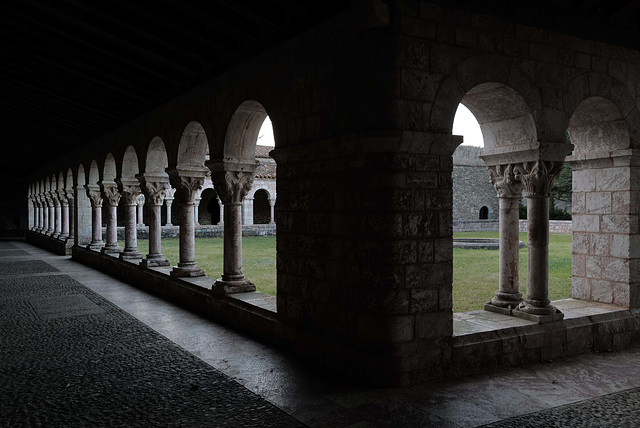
x=109 y=170
x=242 y=132
x=261 y=206
x=130 y=163
x=193 y=147
x=156 y=161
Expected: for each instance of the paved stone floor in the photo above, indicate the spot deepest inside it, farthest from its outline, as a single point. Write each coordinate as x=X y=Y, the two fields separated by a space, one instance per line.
x=79 y=348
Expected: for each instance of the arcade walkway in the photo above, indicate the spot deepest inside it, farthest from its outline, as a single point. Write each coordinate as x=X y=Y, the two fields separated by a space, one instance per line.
x=82 y=349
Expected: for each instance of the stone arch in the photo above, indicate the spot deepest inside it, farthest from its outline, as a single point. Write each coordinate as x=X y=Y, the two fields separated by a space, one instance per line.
x=209 y=212
x=501 y=97
x=109 y=169
x=60 y=185
x=156 y=161
x=193 y=147
x=483 y=213
x=81 y=176
x=597 y=127
x=242 y=132
x=94 y=173
x=261 y=206
x=130 y=166
x=82 y=211
x=69 y=180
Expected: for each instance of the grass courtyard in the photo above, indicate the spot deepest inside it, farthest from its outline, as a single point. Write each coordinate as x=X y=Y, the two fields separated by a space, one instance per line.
x=475 y=272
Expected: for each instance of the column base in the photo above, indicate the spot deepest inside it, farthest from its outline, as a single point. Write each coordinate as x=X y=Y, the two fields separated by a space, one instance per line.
x=504 y=303
x=111 y=249
x=541 y=315
x=222 y=287
x=95 y=246
x=186 y=270
x=155 y=261
x=130 y=255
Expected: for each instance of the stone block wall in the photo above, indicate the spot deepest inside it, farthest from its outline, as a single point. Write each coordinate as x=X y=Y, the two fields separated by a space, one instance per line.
x=472 y=188
x=555 y=226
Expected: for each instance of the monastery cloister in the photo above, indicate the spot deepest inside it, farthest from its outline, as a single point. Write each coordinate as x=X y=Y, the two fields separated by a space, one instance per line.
x=362 y=109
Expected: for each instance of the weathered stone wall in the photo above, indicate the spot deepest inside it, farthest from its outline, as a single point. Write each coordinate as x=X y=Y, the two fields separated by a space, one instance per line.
x=555 y=226
x=202 y=231
x=472 y=188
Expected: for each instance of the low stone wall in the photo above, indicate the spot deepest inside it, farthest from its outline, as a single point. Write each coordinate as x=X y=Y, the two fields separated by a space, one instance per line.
x=475 y=226
x=61 y=247
x=555 y=226
x=208 y=231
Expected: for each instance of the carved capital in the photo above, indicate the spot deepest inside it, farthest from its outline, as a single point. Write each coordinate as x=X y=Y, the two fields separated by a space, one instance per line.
x=129 y=190
x=154 y=191
x=95 y=196
x=505 y=182
x=111 y=195
x=62 y=197
x=537 y=177
x=187 y=188
x=232 y=186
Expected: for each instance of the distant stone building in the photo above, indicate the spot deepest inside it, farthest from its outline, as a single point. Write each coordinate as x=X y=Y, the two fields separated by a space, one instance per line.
x=474 y=197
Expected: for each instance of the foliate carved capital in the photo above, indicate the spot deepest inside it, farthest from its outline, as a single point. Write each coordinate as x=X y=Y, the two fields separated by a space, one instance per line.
x=537 y=177
x=129 y=191
x=111 y=195
x=232 y=186
x=187 y=188
x=62 y=197
x=505 y=182
x=154 y=191
x=95 y=196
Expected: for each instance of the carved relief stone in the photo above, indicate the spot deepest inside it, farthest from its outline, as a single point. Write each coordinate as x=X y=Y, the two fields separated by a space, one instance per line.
x=505 y=181
x=232 y=186
x=537 y=177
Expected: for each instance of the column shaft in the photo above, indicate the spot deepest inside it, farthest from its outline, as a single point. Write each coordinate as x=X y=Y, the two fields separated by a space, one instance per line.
x=233 y=243
x=538 y=260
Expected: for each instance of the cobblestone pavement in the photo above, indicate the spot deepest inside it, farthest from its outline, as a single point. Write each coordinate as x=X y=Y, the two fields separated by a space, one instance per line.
x=70 y=358
x=621 y=409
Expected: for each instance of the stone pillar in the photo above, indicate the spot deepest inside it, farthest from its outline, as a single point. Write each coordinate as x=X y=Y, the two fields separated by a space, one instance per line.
x=247 y=211
x=130 y=190
x=168 y=201
x=232 y=183
x=537 y=178
x=38 y=214
x=221 y=207
x=34 y=215
x=187 y=181
x=154 y=188
x=57 y=214
x=140 y=210
x=71 y=204
x=112 y=197
x=509 y=190
x=272 y=204
x=64 y=219
x=49 y=214
x=196 y=206
x=95 y=197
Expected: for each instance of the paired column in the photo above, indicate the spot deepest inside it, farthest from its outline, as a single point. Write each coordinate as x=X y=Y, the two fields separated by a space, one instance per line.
x=196 y=211
x=153 y=188
x=537 y=178
x=140 y=210
x=272 y=204
x=221 y=207
x=38 y=213
x=70 y=210
x=112 y=197
x=232 y=183
x=49 y=214
x=509 y=190
x=95 y=197
x=187 y=182
x=168 y=200
x=64 y=218
x=57 y=214
x=130 y=190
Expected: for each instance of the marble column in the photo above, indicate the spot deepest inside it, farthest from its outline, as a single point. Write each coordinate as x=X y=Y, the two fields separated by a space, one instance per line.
x=95 y=197
x=57 y=214
x=38 y=215
x=221 y=206
x=34 y=225
x=50 y=214
x=140 y=211
x=64 y=218
x=168 y=200
x=71 y=207
x=509 y=190
x=154 y=188
x=187 y=182
x=130 y=190
x=196 y=211
x=272 y=204
x=112 y=197
x=537 y=178
x=232 y=185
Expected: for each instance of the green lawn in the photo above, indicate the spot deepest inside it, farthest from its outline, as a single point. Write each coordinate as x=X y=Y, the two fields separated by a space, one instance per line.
x=475 y=272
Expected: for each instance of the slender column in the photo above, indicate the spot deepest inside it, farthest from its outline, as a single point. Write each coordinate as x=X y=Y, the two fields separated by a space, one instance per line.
x=140 y=210
x=247 y=211
x=130 y=190
x=45 y=214
x=272 y=204
x=49 y=211
x=509 y=190
x=57 y=214
x=38 y=215
x=196 y=211
x=95 y=196
x=71 y=208
x=537 y=178
x=112 y=198
x=187 y=182
x=168 y=201
x=221 y=206
x=154 y=189
x=34 y=203
x=64 y=218
x=232 y=185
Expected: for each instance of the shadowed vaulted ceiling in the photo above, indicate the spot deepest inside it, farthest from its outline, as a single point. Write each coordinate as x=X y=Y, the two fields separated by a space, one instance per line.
x=72 y=70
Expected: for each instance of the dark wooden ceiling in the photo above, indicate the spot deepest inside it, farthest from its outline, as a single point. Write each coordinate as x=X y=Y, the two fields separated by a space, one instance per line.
x=71 y=70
